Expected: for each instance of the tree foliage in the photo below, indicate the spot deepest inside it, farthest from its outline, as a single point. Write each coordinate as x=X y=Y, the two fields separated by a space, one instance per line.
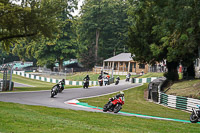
x=103 y=26
x=48 y=51
x=29 y=18
x=165 y=30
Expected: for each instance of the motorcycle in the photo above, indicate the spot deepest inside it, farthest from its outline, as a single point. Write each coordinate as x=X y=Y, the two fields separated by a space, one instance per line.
x=195 y=116
x=113 y=105
x=85 y=83
x=106 y=81
x=58 y=88
x=117 y=81
x=101 y=82
x=54 y=90
x=127 y=79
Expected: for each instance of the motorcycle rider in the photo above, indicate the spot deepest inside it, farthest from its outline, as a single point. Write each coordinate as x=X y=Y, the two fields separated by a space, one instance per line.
x=62 y=83
x=128 y=76
x=87 y=78
x=100 y=77
x=120 y=95
x=118 y=78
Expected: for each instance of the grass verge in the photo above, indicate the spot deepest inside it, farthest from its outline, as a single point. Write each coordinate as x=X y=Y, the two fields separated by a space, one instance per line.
x=186 y=88
x=19 y=118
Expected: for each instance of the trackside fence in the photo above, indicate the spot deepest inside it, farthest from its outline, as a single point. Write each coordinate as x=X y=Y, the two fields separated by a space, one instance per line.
x=178 y=102
x=51 y=80
x=155 y=94
x=143 y=80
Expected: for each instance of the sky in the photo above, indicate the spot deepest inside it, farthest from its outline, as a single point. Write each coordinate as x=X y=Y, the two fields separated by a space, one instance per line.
x=80 y=2
x=79 y=7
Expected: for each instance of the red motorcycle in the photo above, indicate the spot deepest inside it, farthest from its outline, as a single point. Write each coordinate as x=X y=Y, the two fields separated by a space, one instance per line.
x=113 y=105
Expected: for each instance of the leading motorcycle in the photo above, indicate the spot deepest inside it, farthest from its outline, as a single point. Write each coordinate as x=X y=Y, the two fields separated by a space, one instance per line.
x=113 y=105
x=195 y=116
x=54 y=90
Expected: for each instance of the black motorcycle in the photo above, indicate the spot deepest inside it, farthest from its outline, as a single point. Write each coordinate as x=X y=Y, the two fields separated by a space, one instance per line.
x=195 y=116
x=85 y=83
x=54 y=90
x=117 y=81
x=58 y=88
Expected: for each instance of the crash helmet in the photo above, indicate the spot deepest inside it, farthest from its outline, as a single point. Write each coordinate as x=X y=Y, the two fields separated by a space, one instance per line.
x=122 y=93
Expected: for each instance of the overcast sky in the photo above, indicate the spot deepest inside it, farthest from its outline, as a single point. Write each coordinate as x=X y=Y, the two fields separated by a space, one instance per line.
x=79 y=7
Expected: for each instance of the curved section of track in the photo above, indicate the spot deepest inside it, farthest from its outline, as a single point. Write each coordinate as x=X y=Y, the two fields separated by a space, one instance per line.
x=43 y=98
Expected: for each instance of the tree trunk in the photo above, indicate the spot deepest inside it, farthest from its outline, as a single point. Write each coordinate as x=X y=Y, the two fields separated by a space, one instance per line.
x=60 y=65
x=172 y=73
x=190 y=72
x=97 y=45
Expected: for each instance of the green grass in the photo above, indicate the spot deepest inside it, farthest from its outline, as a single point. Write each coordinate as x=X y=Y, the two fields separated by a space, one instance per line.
x=135 y=103
x=19 y=118
x=155 y=74
x=186 y=88
x=93 y=76
x=149 y=75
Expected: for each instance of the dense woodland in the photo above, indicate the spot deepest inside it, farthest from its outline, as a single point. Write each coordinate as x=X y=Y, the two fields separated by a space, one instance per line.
x=154 y=30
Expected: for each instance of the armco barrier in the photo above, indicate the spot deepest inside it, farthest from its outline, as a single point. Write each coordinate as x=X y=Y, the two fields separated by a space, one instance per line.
x=178 y=102
x=143 y=80
x=67 y=82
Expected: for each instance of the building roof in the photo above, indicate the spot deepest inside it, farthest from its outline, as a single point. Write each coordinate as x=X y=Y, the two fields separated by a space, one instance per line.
x=121 y=57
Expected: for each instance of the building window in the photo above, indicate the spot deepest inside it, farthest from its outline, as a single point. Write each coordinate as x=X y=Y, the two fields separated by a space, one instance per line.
x=141 y=66
x=121 y=63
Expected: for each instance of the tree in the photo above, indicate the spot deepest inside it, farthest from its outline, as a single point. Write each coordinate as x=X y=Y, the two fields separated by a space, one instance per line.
x=47 y=51
x=29 y=18
x=103 y=26
x=165 y=30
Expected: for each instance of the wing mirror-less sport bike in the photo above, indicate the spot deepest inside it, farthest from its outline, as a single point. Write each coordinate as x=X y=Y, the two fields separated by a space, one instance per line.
x=100 y=82
x=195 y=116
x=85 y=83
x=58 y=88
x=117 y=81
x=113 y=105
x=106 y=81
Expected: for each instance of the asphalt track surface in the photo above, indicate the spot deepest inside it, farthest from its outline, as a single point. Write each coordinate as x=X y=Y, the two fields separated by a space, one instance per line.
x=42 y=98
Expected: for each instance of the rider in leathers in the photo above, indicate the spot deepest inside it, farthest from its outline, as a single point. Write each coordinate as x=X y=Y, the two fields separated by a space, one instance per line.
x=120 y=95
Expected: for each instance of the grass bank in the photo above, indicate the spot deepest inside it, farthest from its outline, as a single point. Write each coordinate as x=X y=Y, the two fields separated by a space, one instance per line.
x=93 y=76
x=186 y=88
x=149 y=75
x=19 y=118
